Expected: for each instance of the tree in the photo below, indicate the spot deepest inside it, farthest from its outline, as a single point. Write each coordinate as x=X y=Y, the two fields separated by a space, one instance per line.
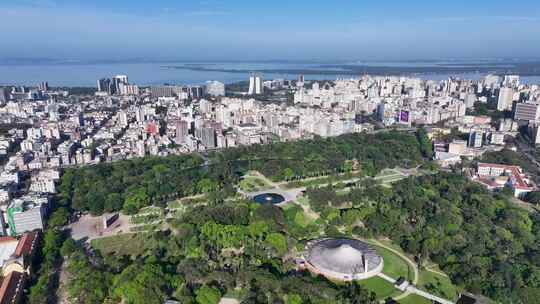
x=533 y=197
x=206 y=185
x=288 y=174
x=278 y=242
x=208 y=295
x=87 y=285
x=113 y=202
x=138 y=284
x=294 y=299
x=59 y=218
x=68 y=247
x=135 y=201
x=426 y=147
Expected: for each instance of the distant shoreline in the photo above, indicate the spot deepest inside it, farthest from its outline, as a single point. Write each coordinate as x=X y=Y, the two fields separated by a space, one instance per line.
x=522 y=69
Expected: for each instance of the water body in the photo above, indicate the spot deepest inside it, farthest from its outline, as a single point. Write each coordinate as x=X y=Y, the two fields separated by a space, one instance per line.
x=269 y=198
x=157 y=73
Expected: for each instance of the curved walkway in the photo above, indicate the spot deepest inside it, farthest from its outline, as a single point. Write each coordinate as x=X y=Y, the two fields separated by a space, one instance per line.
x=406 y=259
x=428 y=268
x=411 y=289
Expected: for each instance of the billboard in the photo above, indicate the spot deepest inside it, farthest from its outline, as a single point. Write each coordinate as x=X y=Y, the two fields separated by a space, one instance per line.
x=404 y=116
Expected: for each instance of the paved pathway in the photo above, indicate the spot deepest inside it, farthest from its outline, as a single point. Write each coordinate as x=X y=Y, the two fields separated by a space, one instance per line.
x=404 y=257
x=386 y=278
x=428 y=295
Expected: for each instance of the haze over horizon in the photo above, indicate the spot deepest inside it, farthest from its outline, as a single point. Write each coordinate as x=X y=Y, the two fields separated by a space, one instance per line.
x=247 y=30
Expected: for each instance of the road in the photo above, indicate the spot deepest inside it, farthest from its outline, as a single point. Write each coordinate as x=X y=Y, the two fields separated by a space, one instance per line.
x=526 y=149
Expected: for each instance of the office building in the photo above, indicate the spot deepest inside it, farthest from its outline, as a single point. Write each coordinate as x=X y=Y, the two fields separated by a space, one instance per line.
x=215 y=88
x=163 y=91
x=255 y=85
x=527 y=112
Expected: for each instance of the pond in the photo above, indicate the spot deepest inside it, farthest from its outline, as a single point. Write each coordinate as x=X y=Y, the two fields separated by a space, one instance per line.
x=269 y=198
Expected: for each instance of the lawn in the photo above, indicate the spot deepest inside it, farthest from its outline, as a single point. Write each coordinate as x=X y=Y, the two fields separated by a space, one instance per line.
x=252 y=184
x=124 y=244
x=394 y=266
x=437 y=284
x=387 y=172
x=323 y=180
x=414 y=299
x=382 y=288
x=186 y=201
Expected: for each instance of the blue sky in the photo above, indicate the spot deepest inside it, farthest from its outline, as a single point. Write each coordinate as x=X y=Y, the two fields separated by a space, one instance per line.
x=294 y=29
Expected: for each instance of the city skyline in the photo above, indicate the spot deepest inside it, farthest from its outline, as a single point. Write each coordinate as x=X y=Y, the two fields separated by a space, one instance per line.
x=233 y=30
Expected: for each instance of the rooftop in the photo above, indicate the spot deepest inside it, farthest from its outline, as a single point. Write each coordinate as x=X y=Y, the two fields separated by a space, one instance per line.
x=345 y=256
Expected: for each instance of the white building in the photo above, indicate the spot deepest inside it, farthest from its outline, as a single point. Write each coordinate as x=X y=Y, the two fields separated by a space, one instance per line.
x=26 y=214
x=506 y=97
x=215 y=88
x=255 y=85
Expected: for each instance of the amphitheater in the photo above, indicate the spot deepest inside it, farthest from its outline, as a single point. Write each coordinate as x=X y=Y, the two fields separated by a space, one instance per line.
x=342 y=259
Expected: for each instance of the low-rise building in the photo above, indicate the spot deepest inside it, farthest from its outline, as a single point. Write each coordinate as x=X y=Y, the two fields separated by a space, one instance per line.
x=497 y=176
x=26 y=214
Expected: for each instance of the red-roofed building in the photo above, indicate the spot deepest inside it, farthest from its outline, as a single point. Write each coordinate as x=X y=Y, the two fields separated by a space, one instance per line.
x=17 y=255
x=496 y=176
x=12 y=288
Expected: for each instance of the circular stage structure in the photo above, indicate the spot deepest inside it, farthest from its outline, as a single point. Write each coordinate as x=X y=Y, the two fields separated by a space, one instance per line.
x=342 y=259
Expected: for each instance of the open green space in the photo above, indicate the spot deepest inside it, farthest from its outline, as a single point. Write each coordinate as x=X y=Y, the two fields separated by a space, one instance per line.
x=414 y=299
x=323 y=180
x=147 y=218
x=252 y=184
x=187 y=201
x=387 y=172
x=437 y=284
x=382 y=288
x=124 y=244
x=394 y=265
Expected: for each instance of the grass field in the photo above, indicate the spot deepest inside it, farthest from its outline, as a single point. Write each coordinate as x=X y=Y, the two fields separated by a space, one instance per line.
x=252 y=184
x=124 y=244
x=380 y=287
x=437 y=284
x=317 y=181
x=186 y=201
x=414 y=299
x=394 y=266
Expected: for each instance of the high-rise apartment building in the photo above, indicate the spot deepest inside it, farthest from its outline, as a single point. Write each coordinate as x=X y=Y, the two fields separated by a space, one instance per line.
x=506 y=97
x=117 y=81
x=255 y=85
x=182 y=131
x=4 y=94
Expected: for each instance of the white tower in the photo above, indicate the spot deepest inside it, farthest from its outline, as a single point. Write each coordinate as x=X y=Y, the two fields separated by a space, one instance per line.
x=255 y=85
